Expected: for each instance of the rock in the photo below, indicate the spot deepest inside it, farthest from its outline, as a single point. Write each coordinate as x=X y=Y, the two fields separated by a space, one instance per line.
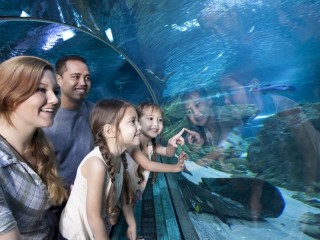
x=276 y=154
x=310 y=224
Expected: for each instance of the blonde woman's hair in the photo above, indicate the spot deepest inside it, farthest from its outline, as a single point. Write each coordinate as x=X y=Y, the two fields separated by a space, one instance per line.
x=19 y=79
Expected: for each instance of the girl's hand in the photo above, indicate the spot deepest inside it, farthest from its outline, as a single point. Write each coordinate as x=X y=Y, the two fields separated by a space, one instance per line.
x=194 y=137
x=181 y=158
x=132 y=233
x=177 y=139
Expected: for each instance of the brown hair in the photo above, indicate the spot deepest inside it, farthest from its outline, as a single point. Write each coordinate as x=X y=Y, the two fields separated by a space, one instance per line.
x=141 y=111
x=111 y=112
x=61 y=64
x=20 y=78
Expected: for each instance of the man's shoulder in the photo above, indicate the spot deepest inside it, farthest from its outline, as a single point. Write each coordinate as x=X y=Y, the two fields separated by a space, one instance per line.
x=88 y=104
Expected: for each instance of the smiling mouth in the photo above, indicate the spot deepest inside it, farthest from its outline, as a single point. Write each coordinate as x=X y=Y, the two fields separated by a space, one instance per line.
x=81 y=90
x=48 y=110
x=199 y=118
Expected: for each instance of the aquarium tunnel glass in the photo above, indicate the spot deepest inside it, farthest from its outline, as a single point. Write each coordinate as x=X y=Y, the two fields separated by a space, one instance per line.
x=242 y=76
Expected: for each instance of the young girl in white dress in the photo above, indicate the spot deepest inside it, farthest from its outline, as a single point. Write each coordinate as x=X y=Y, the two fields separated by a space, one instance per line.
x=102 y=178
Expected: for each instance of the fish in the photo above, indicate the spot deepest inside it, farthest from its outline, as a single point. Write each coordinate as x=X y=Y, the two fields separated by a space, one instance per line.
x=195 y=206
x=185 y=170
x=151 y=75
x=208 y=190
x=268 y=88
x=120 y=83
x=231 y=197
x=242 y=189
x=197 y=198
x=194 y=172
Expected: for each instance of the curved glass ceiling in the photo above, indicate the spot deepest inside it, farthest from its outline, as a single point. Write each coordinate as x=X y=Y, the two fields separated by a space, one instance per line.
x=185 y=42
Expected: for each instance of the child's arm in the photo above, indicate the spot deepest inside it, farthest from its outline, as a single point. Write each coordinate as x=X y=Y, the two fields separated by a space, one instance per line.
x=11 y=235
x=194 y=137
x=95 y=171
x=152 y=166
x=129 y=216
x=173 y=143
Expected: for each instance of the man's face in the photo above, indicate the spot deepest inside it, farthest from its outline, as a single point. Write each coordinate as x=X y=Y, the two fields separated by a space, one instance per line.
x=75 y=82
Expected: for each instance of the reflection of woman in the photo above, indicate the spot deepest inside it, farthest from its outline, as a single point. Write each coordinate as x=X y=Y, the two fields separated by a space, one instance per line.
x=28 y=177
x=241 y=87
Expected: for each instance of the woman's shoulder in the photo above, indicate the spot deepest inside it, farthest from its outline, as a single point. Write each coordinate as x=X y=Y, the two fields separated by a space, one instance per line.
x=6 y=155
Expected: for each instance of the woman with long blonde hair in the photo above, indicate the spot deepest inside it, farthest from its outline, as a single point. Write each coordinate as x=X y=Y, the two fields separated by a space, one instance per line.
x=29 y=183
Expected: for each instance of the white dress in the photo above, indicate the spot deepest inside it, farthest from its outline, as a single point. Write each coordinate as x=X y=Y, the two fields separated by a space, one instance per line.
x=74 y=222
x=137 y=185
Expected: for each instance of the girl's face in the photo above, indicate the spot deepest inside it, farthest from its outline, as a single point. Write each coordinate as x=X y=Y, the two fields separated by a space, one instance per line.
x=198 y=109
x=130 y=129
x=151 y=122
x=40 y=108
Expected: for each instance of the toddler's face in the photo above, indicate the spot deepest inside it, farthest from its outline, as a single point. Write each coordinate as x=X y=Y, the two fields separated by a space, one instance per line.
x=151 y=122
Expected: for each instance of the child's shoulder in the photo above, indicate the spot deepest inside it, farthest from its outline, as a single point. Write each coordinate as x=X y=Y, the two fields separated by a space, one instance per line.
x=132 y=150
x=93 y=166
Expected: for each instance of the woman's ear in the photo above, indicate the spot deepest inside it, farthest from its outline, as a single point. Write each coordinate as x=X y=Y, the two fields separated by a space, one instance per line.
x=109 y=131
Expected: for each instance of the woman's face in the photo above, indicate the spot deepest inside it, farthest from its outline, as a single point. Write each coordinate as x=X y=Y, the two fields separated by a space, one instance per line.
x=151 y=122
x=130 y=129
x=233 y=92
x=40 y=108
x=198 y=109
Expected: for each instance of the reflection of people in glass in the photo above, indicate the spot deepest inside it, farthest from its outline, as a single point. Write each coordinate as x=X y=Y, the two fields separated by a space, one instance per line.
x=199 y=110
x=208 y=130
x=225 y=21
x=301 y=20
x=243 y=87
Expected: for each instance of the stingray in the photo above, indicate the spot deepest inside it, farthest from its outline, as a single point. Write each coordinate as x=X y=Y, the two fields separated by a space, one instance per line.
x=233 y=197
